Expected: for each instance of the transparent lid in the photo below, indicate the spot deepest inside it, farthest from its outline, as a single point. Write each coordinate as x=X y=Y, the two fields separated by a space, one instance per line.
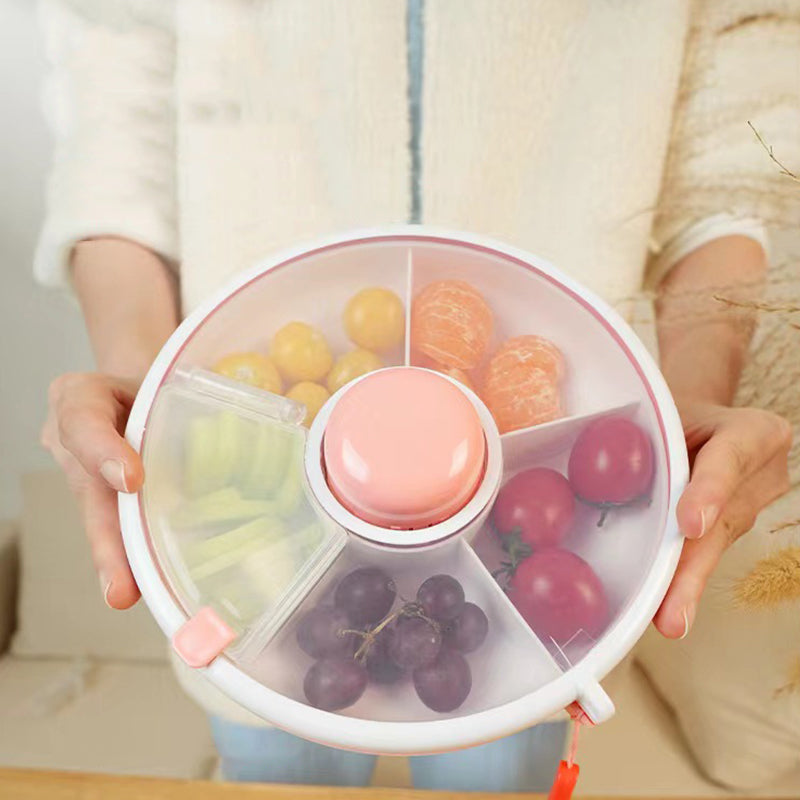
x=227 y=505
x=561 y=559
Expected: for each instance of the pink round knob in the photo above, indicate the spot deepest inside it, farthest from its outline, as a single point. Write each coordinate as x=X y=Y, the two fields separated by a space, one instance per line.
x=404 y=448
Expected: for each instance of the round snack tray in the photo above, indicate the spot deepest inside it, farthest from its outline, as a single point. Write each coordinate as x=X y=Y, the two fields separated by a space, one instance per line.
x=250 y=521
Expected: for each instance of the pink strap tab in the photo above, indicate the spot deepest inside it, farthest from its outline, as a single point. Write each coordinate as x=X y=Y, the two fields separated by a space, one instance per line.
x=202 y=638
x=578 y=715
x=564 y=784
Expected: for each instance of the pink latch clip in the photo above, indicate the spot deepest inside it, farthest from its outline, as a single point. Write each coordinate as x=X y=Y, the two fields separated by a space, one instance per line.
x=202 y=638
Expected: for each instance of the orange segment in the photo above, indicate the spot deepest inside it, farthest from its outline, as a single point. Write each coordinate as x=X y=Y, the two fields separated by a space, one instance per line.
x=521 y=383
x=451 y=323
x=460 y=375
x=521 y=397
x=533 y=351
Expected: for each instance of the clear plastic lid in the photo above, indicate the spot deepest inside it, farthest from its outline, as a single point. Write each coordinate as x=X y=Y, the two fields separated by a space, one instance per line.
x=227 y=504
x=565 y=561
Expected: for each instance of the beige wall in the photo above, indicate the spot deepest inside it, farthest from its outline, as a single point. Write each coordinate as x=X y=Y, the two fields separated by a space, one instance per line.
x=40 y=331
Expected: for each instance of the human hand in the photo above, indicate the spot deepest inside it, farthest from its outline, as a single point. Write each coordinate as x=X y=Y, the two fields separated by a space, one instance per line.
x=86 y=418
x=739 y=466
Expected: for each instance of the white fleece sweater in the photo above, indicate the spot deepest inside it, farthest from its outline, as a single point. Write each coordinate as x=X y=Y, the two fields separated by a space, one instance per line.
x=217 y=131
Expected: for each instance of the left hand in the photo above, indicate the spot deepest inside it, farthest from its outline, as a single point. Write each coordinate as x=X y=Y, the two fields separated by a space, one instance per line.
x=739 y=466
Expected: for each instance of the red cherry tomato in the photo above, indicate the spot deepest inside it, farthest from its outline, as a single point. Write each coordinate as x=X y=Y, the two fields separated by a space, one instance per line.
x=559 y=594
x=538 y=503
x=611 y=462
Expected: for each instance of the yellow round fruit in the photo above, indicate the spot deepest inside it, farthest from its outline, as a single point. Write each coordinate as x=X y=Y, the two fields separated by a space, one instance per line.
x=312 y=395
x=251 y=368
x=301 y=353
x=350 y=366
x=375 y=319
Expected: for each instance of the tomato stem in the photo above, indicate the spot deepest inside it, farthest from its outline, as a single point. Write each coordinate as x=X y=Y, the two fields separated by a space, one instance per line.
x=518 y=550
x=607 y=506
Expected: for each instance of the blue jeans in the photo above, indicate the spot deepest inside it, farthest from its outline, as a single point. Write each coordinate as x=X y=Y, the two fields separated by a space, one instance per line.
x=523 y=762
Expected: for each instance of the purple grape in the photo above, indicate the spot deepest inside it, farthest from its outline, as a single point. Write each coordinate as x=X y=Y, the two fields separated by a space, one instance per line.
x=415 y=643
x=445 y=684
x=319 y=633
x=467 y=631
x=442 y=597
x=379 y=663
x=335 y=683
x=366 y=594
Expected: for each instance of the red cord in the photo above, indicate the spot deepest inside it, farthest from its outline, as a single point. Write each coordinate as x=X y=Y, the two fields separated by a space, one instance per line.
x=568 y=771
x=573 y=745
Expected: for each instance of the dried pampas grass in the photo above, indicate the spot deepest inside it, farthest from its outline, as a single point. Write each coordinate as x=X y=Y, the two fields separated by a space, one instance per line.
x=790 y=524
x=771 y=374
x=768 y=147
x=772 y=581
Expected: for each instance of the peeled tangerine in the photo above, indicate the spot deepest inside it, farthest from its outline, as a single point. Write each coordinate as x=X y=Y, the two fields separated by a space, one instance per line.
x=455 y=373
x=451 y=323
x=312 y=395
x=524 y=398
x=251 y=368
x=375 y=319
x=301 y=353
x=533 y=351
x=350 y=366
x=521 y=383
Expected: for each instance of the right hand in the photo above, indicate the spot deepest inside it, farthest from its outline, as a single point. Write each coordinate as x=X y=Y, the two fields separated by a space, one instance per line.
x=86 y=418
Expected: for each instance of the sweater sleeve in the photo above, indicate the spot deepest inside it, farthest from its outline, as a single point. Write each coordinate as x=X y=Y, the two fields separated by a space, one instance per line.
x=108 y=99
x=742 y=69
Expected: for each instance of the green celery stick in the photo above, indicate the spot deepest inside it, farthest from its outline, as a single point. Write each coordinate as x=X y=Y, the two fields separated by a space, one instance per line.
x=270 y=458
x=229 y=438
x=223 y=506
x=290 y=492
x=200 y=449
x=247 y=438
x=227 y=549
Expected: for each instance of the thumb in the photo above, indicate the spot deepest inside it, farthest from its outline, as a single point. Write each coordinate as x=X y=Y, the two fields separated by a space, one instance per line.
x=91 y=411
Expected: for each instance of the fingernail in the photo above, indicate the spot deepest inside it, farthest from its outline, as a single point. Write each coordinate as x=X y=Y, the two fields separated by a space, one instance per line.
x=113 y=472
x=688 y=619
x=105 y=586
x=708 y=516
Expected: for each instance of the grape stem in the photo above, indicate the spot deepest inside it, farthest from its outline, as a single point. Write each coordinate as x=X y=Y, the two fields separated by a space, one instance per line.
x=408 y=609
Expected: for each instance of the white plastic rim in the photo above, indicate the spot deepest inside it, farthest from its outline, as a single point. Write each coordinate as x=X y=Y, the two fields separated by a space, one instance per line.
x=432 y=535
x=580 y=683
